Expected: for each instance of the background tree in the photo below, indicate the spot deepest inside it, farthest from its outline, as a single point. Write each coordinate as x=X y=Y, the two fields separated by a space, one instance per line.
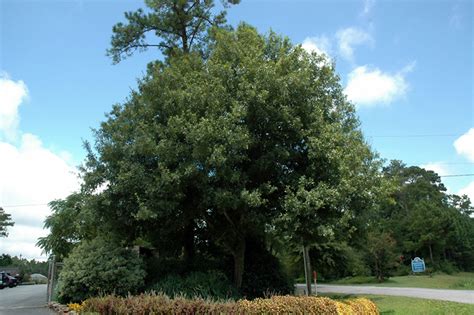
x=68 y=225
x=424 y=220
x=5 y=260
x=177 y=26
x=220 y=144
x=5 y=222
x=383 y=256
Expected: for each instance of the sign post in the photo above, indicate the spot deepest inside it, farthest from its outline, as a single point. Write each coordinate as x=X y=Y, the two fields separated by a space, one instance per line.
x=418 y=265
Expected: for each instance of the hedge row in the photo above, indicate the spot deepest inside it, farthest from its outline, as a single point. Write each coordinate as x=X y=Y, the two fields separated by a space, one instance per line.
x=162 y=304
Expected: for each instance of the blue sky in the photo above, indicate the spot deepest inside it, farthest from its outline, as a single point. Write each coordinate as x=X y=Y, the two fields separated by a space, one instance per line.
x=406 y=65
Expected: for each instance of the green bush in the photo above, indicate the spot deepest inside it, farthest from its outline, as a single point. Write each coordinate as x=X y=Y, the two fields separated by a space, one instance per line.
x=157 y=268
x=447 y=267
x=209 y=285
x=263 y=273
x=99 y=267
x=336 y=260
x=402 y=270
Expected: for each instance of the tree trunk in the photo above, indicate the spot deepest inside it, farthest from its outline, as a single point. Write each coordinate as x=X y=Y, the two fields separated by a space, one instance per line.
x=307 y=269
x=188 y=246
x=239 y=260
x=431 y=254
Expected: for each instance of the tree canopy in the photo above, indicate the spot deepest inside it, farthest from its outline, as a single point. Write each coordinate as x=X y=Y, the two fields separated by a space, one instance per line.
x=239 y=141
x=174 y=26
x=425 y=220
x=217 y=150
x=5 y=222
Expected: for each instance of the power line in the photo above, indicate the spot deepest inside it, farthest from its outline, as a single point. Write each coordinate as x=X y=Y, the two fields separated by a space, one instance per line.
x=415 y=136
x=26 y=205
x=456 y=175
x=443 y=163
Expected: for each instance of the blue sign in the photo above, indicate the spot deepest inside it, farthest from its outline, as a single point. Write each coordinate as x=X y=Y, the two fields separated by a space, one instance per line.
x=418 y=265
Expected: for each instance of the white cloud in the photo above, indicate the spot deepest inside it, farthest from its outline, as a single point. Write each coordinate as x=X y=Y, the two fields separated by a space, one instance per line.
x=30 y=175
x=368 y=5
x=436 y=167
x=22 y=240
x=464 y=145
x=348 y=38
x=370 y=86
x=320 y=45
x=12 y=94
x=456 y=17
x=468 y=190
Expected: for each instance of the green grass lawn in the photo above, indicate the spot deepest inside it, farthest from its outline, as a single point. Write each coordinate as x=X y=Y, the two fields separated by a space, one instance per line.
x=461 y=281
x=413 y=306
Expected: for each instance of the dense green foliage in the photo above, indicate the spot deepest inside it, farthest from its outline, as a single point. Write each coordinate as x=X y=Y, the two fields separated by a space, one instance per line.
x=425 y=221
x=415 y=217
x=264 y=274
x=234 y=152
x=100 y=267
x=5 y=222
x=381 y=254
x=211 y=284
x=210 y=152
x=68 y=224
x=6 y=260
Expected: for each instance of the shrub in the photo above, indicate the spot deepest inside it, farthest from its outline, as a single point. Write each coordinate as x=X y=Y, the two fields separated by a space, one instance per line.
x=263 y=273
x=402 y=270
x=381 y=247
x=448 y=267
x=336 y=260
x=161 y=304
x=99 y=267
x=158 y=268
x=211 y=285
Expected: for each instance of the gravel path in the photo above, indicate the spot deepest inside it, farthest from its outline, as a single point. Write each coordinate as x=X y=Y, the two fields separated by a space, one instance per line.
x=462 y=296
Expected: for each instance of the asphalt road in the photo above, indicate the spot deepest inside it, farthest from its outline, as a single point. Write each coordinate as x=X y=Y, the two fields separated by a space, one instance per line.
x=24 y=300
x=462 y=296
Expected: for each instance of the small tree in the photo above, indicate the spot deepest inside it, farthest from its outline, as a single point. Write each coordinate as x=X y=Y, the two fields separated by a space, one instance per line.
x=382 y=256
x=64 y=223
x=5 y=221
x=100 y=267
